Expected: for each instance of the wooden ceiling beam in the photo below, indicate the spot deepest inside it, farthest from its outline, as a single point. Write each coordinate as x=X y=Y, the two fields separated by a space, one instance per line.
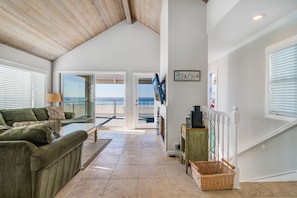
x=127 y=11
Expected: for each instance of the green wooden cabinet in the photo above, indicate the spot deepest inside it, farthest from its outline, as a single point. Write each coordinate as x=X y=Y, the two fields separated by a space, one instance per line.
x=194 y=144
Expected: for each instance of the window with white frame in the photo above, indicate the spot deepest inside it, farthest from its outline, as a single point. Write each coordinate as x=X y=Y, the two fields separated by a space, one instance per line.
x=20 y=88
x=282 y=79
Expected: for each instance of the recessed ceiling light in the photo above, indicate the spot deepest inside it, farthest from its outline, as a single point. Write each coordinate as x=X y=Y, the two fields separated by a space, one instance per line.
x=258 y=17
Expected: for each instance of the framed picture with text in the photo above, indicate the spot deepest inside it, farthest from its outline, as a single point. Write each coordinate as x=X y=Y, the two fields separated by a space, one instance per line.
x=186 y=75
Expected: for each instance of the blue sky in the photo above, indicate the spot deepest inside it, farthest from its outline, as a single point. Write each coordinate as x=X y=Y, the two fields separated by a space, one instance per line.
x=110 y=90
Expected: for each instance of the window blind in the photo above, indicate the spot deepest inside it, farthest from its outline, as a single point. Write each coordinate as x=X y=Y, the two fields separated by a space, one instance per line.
x=283 y=82
x=17 y=88
x=38 y=89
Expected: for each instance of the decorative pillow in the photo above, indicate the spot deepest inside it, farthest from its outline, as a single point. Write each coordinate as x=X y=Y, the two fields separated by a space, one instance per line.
x=40 y=113
x=18 y=115
x=37 y=134
x=56 y=113
x=2 y=121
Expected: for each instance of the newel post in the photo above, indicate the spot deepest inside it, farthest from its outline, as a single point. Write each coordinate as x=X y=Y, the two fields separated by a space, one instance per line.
x=235 y=118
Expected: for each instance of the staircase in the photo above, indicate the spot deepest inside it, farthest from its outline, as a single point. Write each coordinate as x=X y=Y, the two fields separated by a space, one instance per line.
x=223 y=130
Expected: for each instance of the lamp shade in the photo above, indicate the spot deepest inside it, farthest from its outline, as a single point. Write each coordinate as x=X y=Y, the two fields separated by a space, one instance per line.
x=54 y=97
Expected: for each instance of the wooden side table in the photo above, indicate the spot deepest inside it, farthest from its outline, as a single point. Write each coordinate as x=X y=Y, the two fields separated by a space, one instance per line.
x=194 y=145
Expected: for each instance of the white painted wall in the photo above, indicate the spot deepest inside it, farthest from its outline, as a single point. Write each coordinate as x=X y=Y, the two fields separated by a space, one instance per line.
x=187 y=50
x=14 y=57
x=241 y=81
x=164 y=40
x=216 y=10
x=124 y=47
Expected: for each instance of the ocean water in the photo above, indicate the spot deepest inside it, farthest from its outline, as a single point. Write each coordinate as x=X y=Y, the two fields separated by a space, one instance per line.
x=108 y=100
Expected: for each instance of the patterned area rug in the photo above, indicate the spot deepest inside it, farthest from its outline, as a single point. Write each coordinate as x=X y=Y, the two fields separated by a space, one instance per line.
x=91 y=149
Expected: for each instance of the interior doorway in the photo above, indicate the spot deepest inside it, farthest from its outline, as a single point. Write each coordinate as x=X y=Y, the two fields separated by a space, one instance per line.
x=110 y=99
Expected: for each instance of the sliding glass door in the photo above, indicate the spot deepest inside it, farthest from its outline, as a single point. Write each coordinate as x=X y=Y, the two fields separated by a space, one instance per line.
x=78 y=93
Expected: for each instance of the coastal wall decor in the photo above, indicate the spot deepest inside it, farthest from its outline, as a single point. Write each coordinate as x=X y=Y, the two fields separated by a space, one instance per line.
x=213 y=90
x=186 y=75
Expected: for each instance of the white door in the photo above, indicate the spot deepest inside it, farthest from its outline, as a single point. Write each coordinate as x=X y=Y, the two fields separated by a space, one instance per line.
x=144 y=101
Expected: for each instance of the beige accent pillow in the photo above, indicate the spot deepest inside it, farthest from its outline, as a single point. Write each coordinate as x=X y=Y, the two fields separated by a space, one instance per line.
x=56 y=113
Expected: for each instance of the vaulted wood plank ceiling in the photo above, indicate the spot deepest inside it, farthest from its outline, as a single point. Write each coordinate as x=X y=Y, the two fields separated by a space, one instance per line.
x=50 y=28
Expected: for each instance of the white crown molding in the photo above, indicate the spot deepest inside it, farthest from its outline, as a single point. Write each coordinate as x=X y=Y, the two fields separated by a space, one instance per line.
x=282 y=21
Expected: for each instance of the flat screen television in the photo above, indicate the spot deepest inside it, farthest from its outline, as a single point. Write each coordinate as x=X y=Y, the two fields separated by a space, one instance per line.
x=159 y=89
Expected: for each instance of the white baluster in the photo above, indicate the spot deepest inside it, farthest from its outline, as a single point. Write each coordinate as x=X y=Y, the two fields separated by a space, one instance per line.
x=223 y=135
x=228 y=138
x=235 y=119
x=218 y=138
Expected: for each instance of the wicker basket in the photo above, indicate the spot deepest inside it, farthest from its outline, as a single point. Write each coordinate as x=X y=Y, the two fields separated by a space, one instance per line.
x=213 y=175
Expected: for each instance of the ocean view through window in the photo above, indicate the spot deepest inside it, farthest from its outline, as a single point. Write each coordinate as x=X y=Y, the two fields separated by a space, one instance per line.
x=77 y=97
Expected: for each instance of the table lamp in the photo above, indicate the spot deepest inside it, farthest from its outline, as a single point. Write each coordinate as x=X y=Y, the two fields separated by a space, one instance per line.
x=53 y=97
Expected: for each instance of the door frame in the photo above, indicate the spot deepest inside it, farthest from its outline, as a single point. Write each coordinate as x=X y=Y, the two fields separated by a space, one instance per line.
x=136 y=76
x=91 y=87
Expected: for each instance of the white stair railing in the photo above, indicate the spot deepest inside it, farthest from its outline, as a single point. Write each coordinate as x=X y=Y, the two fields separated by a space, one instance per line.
x=222 y=136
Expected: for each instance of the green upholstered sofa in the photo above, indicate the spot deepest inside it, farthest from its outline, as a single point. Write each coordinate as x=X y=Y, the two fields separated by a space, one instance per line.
x=12 y=116
x=33 y=162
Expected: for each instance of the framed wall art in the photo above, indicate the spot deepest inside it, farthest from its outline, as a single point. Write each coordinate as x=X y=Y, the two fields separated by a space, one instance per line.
x=212 y=90
x=186 y=75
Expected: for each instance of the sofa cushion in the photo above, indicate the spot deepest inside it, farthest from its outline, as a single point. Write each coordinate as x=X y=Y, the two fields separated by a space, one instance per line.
x=51 y=123
x=56 y=113
x=2 y=121
x=4 y=127
x=69 y=115
x=40 y=113
x=37 y=134
x=18 y=115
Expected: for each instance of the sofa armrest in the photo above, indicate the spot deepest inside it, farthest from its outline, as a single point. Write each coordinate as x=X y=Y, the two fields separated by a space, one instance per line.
x=15 y=172
x=69 y=115
x=50 y=153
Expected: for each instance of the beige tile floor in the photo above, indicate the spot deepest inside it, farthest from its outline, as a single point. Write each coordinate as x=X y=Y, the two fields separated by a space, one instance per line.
x=135 y=165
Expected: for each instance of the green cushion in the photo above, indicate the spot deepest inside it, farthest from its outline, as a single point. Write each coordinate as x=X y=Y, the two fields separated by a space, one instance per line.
x=69 y=115
x=2 y=121
x=37 y=134
x=18 y=115
x=40 y=113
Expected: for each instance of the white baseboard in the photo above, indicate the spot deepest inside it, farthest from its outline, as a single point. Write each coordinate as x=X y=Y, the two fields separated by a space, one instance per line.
x=285 y=176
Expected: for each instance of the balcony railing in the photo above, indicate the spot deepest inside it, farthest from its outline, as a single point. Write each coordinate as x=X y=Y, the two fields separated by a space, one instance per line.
x=76 y=106
x=110 y=107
